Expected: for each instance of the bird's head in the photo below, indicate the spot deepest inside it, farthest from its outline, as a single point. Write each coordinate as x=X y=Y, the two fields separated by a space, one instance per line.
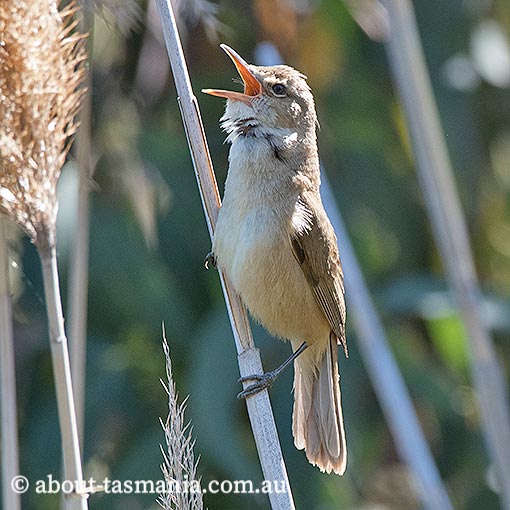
x=275 y=98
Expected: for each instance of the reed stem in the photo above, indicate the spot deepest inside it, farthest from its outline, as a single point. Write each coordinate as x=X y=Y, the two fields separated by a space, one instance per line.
x=435 y=173
x=259 y=407
x=9 y=443
x=79 y=262
x=62 y=375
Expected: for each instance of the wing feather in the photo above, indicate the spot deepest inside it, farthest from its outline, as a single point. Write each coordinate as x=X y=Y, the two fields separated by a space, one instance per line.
x=314 y=246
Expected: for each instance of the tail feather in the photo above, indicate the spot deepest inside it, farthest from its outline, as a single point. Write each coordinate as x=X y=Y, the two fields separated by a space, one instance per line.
x=317 y=420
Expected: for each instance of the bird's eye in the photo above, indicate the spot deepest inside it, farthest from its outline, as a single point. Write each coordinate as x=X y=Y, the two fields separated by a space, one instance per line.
x=279 y=89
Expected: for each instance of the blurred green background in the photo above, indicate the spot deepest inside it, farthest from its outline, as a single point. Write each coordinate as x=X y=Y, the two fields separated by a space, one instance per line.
x=149 y=238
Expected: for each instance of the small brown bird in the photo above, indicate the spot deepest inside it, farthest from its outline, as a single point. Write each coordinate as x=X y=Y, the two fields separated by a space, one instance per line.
x=276 y=245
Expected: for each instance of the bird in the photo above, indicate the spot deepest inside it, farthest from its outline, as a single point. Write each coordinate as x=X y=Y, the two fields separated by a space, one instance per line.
x=276 y=245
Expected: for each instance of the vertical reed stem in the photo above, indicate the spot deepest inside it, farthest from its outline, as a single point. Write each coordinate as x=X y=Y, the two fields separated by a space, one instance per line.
x=259 y=407
x=62 y=374
x=9 y=445
x=436 y=178
x=79 y=264
x=387 y=381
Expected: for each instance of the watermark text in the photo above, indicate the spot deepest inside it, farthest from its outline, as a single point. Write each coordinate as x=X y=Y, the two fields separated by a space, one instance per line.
x=52 y=485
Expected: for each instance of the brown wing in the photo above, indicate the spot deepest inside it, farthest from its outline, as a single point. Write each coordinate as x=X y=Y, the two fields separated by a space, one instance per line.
x=314 y=246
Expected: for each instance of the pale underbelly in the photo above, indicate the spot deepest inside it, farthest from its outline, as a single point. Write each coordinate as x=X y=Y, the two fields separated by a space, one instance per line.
x=270 y=281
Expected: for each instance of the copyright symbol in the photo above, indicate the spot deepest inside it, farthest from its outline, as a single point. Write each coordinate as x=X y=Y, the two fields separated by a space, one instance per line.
x=20 y=484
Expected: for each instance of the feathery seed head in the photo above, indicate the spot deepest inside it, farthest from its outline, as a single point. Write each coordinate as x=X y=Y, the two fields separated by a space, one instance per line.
x=179 y=465
x=41 y=69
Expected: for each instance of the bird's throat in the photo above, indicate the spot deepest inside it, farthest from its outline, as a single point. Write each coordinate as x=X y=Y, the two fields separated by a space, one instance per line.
x=248 y=126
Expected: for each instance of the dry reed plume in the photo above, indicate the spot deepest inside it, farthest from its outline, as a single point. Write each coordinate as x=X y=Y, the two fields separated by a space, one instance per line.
x=41 y=69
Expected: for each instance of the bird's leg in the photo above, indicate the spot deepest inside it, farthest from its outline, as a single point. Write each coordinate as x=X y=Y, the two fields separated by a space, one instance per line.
x=210 y=260
x=266 y=380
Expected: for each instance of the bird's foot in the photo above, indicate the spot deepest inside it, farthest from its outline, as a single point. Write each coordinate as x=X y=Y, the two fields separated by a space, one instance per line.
x=266 y=380
x=210 y=260
x=263 y=382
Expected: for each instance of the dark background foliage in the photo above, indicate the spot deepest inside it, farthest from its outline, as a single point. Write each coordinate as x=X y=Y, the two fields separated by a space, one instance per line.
x=149 y=238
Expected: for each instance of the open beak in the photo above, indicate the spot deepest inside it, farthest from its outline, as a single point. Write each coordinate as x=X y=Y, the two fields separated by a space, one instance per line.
x=252 y=86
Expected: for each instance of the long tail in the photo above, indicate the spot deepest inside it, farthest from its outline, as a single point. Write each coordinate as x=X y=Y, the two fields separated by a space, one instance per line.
x=317 y=422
